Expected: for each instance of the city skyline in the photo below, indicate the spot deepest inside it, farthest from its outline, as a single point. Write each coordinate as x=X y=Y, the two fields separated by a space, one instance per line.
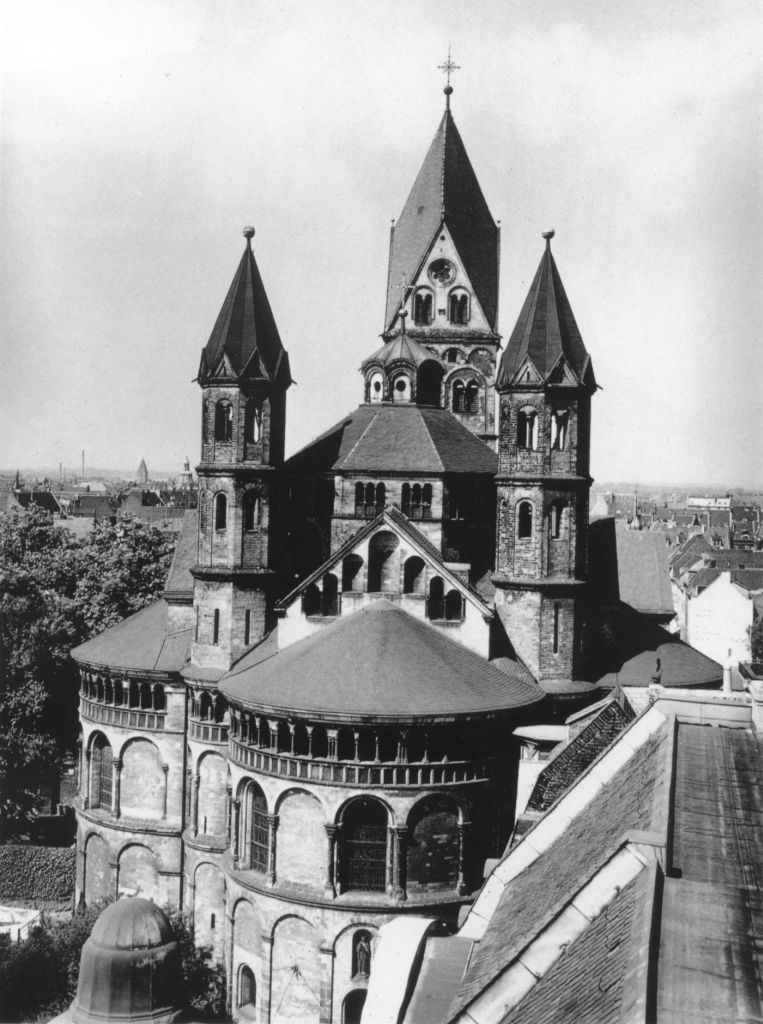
x=155 y=134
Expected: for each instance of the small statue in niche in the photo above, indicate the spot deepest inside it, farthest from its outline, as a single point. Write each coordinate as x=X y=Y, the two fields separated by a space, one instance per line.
x=362 y=955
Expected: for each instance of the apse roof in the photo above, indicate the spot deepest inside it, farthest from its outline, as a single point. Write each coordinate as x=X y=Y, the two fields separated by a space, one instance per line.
x=403 y=347
x=446 y=189
x=390 y=438
x=145 y=642
x=245 y=343
x=546 y=330
x=383 y=663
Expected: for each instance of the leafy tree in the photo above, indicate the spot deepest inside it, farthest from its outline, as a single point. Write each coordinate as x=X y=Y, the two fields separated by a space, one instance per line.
x=756 y=640
x=55 y=592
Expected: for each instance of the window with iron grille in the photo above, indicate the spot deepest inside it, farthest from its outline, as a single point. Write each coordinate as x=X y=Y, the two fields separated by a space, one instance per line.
x=365 y=846
x=260 y=835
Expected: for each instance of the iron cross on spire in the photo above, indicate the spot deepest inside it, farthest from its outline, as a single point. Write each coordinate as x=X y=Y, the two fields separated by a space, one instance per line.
x=448 y=67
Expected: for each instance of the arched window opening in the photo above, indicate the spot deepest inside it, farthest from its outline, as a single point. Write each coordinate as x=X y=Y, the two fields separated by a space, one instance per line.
x=351 y=567
x=145 y=697
x=100 y=689
x=221 y=511
x=330 y=605
x=102 y=774
x=452 y=355
x=223 y=421
x=369 y=500
x=345 y=745
x=252 y=421
x=458 y=308
x=405 y=495
x=401 y=389
x=527 y=429
x=414 y=576
x=247 y=626
x=252 y=511
x=109 y=692
x=556 y=513
x=429 y=383
x=220 y=709
x=205 y=707
x=375 y=387
x=361 y=954
x=381 y=564
x=458 y=502
x=422 y=307
x=134 y=694
x=524 y=519
x=380 y=498
x=246 y=987
x=311 y=600
x=458 y=399
x=352 y=1007
x=216 y=627
x=259 y=829
x=364 y=831
x=454 y=606
x=426 y=501
x=436 y=602
x=559 y=423
x=320 y=742
x=471 y=397
x=119 y=693
x=557 y=615
x=160 y=702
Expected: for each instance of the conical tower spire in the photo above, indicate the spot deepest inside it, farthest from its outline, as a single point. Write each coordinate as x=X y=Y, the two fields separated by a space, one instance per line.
x=244 y=343
x=446 y=193
x=546 y=334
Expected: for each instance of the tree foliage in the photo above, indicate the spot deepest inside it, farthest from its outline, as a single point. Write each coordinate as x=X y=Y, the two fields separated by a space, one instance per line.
x=756 y=640
x=57 y=591
x=38 y=977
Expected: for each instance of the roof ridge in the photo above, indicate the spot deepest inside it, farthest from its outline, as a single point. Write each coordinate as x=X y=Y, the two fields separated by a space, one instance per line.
x=363 y=433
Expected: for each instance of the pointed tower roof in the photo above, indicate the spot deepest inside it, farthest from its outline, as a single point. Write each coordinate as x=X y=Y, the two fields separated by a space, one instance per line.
x=245 y=344
x=446 y=190
x=546 y=336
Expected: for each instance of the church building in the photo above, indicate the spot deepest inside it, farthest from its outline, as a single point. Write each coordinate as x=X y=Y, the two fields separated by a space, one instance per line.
x=313 y=731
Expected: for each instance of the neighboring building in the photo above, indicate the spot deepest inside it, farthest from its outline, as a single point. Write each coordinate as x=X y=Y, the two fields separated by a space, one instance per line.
x=142 y=474
x=625 y=901
x=314 y=730
x=720 y=614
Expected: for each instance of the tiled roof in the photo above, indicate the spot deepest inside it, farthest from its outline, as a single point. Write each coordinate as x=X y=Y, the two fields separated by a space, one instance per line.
x=402 y=348
x=748 y=579
x=42 y=499
x=381 y=662
x=446 y=189
x=567 y=766
x=546 y=330
x=631 y=566
x=142 y=642
x=387 y=439
x=635 y=798
x=633 y=659
x=587 y=983
x=245 y=333
x=179 y=580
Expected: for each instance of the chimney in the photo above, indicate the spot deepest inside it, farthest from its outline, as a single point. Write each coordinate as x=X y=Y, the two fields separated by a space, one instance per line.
x=727 y=673
x=83 y=463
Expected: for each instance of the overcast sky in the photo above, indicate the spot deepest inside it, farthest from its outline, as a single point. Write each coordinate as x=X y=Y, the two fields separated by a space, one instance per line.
x=139 y=138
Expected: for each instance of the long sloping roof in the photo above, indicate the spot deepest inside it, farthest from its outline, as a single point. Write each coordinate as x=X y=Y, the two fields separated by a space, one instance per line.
x=546 y=330
x=380 y=662
x=630 y=565
x=446 y=190
x=179 y=579
x=245 y=343
x=143 y=642
x=389 y=438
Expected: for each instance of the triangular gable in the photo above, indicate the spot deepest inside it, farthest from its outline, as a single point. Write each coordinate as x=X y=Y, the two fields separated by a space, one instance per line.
x=527 y=373
x=563 y=374
x=399 y=524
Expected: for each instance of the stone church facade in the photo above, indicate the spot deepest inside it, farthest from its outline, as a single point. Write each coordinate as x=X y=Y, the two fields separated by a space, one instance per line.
x=312 y=731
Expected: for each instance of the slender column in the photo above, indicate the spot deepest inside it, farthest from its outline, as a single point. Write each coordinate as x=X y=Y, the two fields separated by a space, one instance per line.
x=331 y=832
x=89 y=777
x=402 y=746
x=195 y=779
x=391 y=869
x=273 y=822
x=376 y=748
x=166 y=770
x=464 y=828
x=273 y=727
x=235 y=831
x=228 y=810
x=401 y=862
x=116 y=786
x=356 y=736
x=292 y=729
x=309 y=729
x=332 y=737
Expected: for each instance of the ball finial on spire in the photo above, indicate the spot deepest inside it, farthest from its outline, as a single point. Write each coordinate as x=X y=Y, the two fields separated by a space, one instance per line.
x=248 y=233
x=548 y=235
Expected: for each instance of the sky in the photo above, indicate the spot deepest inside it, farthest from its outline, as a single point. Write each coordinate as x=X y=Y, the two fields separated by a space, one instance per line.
x=139 y=138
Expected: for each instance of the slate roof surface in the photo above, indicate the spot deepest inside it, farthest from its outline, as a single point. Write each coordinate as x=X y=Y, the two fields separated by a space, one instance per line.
x=245 y=331
x=381 y=662
x=446 y=188
x=748 y=579
x=402 y=347
x=42 y=499
x=633 y=660
x=389 y=438
x=691 y=550
x=586 y=983
x=141 y=642
x=546 y=329
x=635 y=798
x=630 y=566
x=179 y=578
x=568 y=765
